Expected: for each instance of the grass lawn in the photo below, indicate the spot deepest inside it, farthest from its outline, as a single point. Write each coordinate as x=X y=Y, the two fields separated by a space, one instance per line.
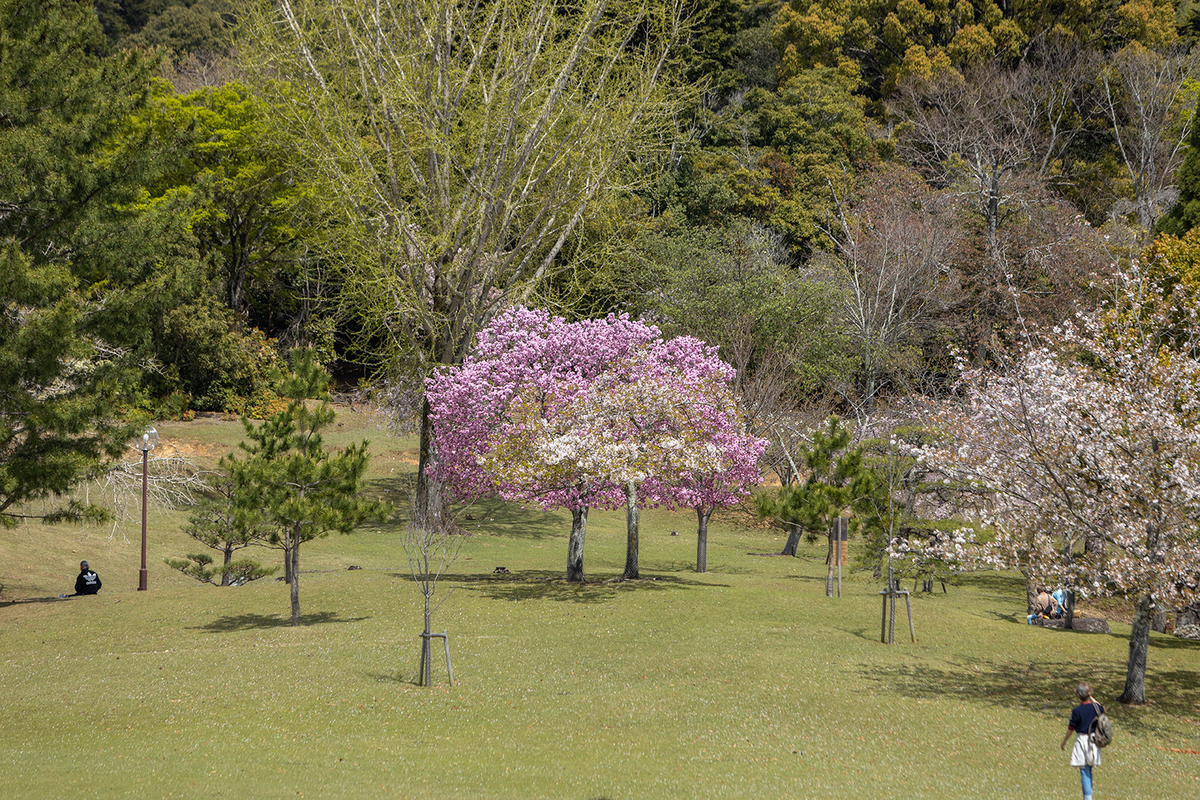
x=742 y=682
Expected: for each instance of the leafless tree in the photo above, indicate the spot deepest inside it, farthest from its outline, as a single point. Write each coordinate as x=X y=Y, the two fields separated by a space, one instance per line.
x=985 y=133
x=173 y=481
x=431 y=551
x=893 y=237
x=1151 y=107
x=998 y=137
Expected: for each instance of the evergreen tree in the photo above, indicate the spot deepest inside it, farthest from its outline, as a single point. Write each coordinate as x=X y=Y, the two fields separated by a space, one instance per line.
x=301 y=490
x=61 y=106
x=1185 y=214
x=220 y=523
x=838 y=479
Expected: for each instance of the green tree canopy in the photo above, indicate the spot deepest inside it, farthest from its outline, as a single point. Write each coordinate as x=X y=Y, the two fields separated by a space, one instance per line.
x=459 y=144
x=65 y=180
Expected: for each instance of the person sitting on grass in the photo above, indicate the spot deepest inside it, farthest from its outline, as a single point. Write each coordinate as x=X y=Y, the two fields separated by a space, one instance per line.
x=1060 y=598
x=88 y=581
x=1044 y=605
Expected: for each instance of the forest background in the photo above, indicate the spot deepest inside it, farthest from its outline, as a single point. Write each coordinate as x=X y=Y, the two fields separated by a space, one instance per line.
x=850 y=198
x=848 y=192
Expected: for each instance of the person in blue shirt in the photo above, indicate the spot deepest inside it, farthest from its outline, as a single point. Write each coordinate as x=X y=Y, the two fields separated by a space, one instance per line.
x=1060 y=597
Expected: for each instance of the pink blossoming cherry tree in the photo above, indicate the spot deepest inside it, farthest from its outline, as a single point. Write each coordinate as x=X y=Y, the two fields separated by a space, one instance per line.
x=592 y=414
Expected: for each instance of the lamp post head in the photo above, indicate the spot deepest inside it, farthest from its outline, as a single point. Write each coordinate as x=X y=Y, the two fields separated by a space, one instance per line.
x=149 y=440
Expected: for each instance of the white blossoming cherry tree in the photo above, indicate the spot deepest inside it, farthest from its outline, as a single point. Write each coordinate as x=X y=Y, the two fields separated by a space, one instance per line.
x=1097 y=439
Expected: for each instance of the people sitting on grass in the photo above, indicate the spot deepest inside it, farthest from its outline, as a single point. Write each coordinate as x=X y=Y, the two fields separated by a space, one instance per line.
x=1045 y=606
x=88 y=581
x=1060 y=600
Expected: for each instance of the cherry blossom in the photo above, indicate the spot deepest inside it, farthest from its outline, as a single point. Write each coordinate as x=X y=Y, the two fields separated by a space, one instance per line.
x=592 y=414
x=1081 y=464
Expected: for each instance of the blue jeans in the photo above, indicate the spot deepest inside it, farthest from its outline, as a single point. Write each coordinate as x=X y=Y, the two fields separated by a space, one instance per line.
x=1085 y=778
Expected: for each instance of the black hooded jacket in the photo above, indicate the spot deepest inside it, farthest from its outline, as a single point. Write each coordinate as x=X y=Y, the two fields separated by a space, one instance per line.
x=88 y=582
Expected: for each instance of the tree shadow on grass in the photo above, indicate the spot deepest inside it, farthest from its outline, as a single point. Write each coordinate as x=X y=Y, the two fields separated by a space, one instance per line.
x=494 y=518
x=1172 y=642
x=551 y=585
x=243 y=622
x=498 y=518
x=809 y=578
x=998 y=588
x=1012 y=617
x=872 y=636
x=398 y=677
x=1047 y=688
x=27 y=600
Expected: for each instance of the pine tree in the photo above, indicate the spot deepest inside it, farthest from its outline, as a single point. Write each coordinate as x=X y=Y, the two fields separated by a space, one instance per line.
x=1185 y=214
x=838 y=479
x=62 y=104
x=221 y=523
x=301 y=490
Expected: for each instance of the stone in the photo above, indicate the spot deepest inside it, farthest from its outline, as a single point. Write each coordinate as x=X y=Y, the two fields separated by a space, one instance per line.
x=1083 y=624
x=1188 y=632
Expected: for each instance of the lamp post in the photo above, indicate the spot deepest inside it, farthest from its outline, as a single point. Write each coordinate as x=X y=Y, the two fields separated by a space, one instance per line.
x=148 y=442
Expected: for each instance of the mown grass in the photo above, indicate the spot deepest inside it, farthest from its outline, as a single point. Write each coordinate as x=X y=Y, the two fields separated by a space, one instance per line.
x=744 y=681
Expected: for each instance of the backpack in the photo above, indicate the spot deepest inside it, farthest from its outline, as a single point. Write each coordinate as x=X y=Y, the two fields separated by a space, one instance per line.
x=1100 y=733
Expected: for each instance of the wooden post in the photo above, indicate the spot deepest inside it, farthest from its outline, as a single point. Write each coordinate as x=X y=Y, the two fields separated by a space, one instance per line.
x=839 y=563
x=840 y=533
x=883 y=620
x=423 y=669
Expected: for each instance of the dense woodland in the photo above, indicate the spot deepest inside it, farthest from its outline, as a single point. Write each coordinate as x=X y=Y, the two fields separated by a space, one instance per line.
x=843 y=194
x=858 y=201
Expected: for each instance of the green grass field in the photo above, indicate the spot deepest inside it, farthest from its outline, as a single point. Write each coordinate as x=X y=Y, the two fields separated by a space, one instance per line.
x=745 y=681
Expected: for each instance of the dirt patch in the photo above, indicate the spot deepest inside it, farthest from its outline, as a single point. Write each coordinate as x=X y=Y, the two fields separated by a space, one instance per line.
x=401 y=457
x=1113 y=609
x=191 y=451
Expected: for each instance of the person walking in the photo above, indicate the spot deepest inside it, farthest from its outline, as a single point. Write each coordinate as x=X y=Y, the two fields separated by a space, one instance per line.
x=1084 y=754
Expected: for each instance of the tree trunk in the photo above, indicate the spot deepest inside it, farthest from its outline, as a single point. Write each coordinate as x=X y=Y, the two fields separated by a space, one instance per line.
x=1031 y=593
x=1158 y=619
x=430 y=509
x=829 y=574
x=1139 y=649
x=1188 y=616
x=287 y=559
x=631 y=531
x=575 y=544
x=993 y=216
x=702 y=517
x=228 y=553
x=426 y=676
x=868 y=366
x=891 y=601
x=793 y=541
x=1069 y=609
x=239 y=268
x=294 y=581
